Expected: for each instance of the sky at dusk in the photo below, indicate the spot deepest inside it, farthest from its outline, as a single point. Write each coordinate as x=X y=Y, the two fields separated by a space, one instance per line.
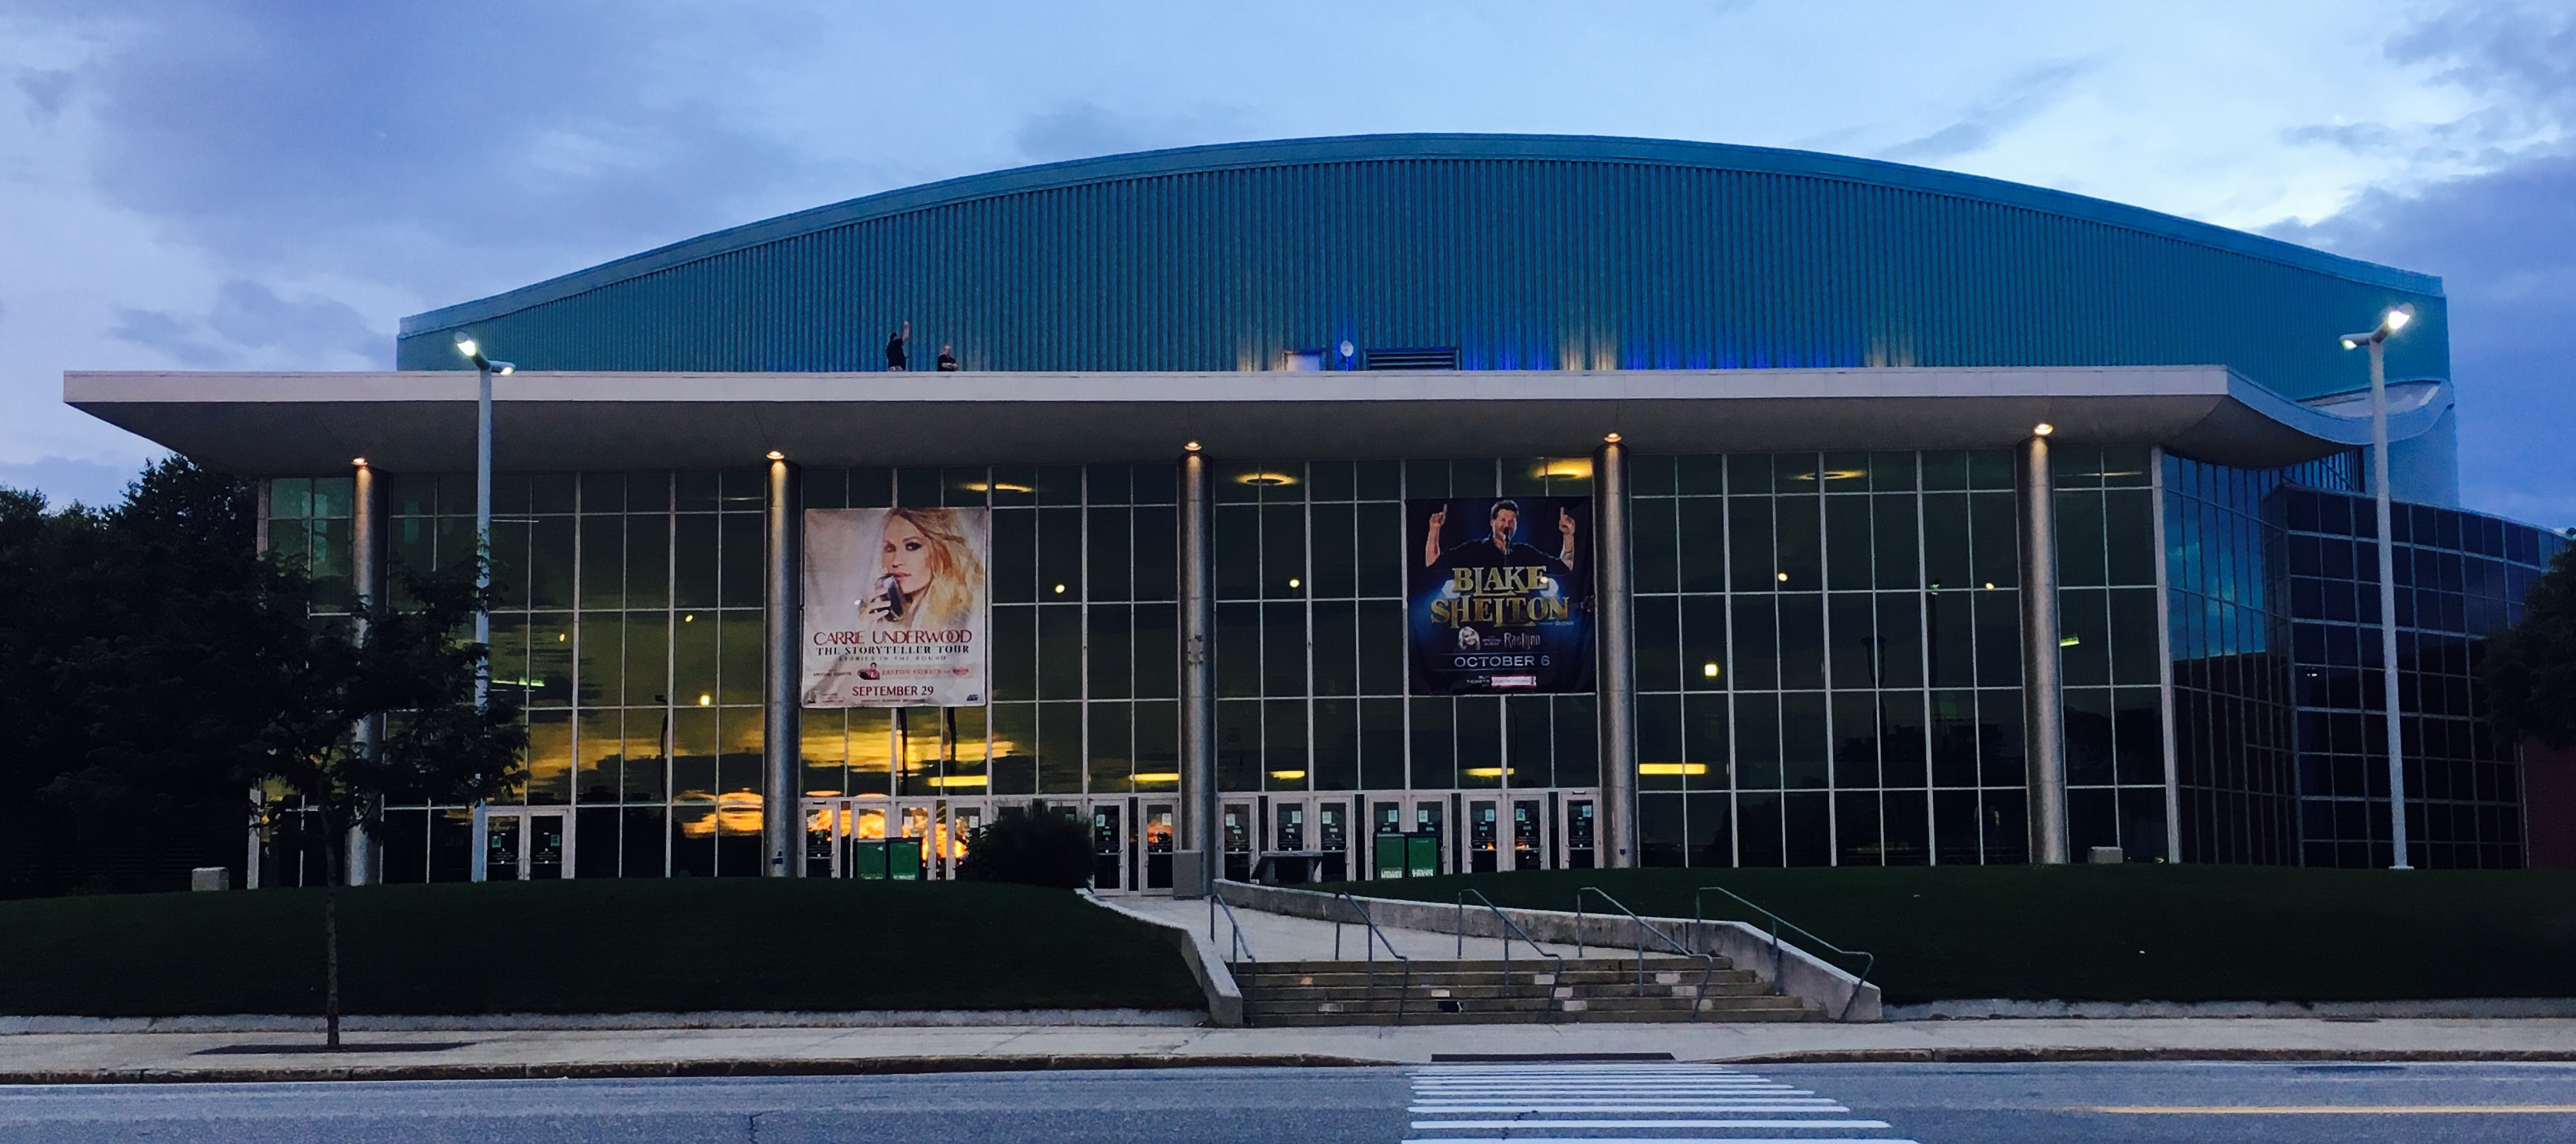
x=231 y=184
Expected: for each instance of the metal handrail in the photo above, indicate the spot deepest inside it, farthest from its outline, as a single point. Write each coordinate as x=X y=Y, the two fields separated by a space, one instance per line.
x=1708 y=965
x=1371 y=949
x=1869 y=961
x=1242 y=950
x=1511 y=929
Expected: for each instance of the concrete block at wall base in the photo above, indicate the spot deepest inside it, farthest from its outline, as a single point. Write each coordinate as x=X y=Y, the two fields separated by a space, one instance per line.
x=1791 y=971
x=210 y=878
x=1189 y=874
x=1216 y=982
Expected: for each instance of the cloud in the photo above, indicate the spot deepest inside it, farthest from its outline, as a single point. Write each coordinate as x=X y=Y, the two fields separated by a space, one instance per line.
x=46 y=91
x=181 y=338
x=251 y=314
x=64 y=480
x=2023 y=99
x=1081 y=130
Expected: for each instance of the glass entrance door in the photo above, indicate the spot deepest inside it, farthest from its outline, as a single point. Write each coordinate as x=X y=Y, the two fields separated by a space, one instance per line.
x=530 y=845
x=1529 y=842
x=1578 y=831
x=1160 y=836
x=1108 y=846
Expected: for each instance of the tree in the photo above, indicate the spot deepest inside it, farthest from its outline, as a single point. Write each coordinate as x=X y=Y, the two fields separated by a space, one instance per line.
x=2530 y=668
x=406 y=670
x=1040 y=848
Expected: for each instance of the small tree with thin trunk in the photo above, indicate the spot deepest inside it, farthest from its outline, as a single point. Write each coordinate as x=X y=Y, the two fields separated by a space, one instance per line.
x=405 y=669
x=2530 y=668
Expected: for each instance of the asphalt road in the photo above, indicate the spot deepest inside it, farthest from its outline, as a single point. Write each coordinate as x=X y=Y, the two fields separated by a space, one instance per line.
x=1933 y=1104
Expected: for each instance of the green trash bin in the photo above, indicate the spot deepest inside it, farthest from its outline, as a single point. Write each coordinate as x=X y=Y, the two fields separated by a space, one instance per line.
x=1390 y=855
x=868 y=859
x=1422 y=855
x=903 y=859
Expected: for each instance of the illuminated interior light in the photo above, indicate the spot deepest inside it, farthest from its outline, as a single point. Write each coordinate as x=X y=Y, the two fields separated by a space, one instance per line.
x=1191 y=447
x=1293 y=582
x=1288 y=776
x=1709 y=670
x=1990 y=585
x=1784 y=577
x=2042 y=429
x=1610 y=438
x=1672 y=768
x=955 y=780
x=1059 y=589
x=996 y=487
x=706 y=700
x=775 y=455
x=1486 y=772
x=689 y=618
x=1567 y=469
x=2070 y=641
x=1266 y=480
x=1158 y=776
x=360 y=462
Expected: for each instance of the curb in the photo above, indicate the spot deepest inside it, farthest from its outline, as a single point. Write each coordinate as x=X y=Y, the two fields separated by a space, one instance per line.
x=2052 y=1055
x=652 y=1070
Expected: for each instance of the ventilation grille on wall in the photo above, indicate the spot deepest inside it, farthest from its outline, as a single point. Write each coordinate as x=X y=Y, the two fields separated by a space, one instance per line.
x=1440 y=357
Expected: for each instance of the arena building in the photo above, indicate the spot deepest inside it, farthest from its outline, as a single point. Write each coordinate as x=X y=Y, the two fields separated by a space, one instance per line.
x=1838 y=512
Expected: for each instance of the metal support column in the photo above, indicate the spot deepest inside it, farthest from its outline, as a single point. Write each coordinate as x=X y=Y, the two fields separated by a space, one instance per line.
x=781 y=731
x=1616 y=649
x=2043 y=703
x=367 y=552
x=1201 y=851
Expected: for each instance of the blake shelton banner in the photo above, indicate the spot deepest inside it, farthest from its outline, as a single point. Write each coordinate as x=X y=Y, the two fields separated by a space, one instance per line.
x=894 y=606
x=1501 y=598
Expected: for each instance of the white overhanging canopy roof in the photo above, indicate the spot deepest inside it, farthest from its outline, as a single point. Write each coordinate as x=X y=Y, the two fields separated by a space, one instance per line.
x=279 y=424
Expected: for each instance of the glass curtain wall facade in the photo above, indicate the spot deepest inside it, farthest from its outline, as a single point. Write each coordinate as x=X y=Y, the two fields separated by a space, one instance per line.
x=2460 y=576
x=1827 y=663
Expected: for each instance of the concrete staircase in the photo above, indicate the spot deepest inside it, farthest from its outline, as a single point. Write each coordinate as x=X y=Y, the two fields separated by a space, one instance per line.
x=1534 y=990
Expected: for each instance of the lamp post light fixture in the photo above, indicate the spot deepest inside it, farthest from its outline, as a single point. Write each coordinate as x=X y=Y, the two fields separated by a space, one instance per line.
x=2375 y=341
x=484 y=367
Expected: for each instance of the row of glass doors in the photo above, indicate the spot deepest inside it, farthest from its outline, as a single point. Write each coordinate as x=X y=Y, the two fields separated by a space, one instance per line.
x=1279 y=839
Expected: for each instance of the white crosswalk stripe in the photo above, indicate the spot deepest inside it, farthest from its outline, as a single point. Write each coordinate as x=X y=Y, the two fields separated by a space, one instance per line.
x=1568 y=1103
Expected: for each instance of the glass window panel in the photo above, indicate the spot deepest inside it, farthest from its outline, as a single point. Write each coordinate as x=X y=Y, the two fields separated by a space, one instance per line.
x=1999 y=757
x=1851 y=618
x=1524 y=477
x=1945 y=541
x=1650 y=476
x=1105 y=484
x=648 y=730
x=1157 y=560
x=1014 y=661
x=2129 y=531
x=1113 y=652
x=1157 y=652
x=1808 y=829
x=1990 y=469
x=1336 y=648
x=1757 y=643
x=1704 y=648
x=744 y=663
x=1426 y=479
x=1803 y=735
x=1904 y=740
x=1059 y=651
x=2079 y=538
x=1382 y=744
x=1847 y=542
x=1283 y=639
x=1700 y=543
x=1891 y=472
x=1998 y=639
x=1434 y=743
x=647 y=647
x=1284 y=761
x=694 y=561
x=1751 y=560
x=1015 y=556
x=1802 y=640
x=1059 y=555
x=2137 y=732
x=1059 y=484
x=1578 y=741
x=1158 y=746
x=1855 y=744
x=1707 y=743
x=1660 y=752
x=1894 y=534
x=603 y=561
x=1801 y=554
x=599 y=743
x=693 y=754
x=603 y=492
x=1900 y=639
x=1238 y=650
x=550 y=659
x=2083 y=616
x=1336 y=745
x=1380 y=480
x=1529 y=740
x=1382 y=664
x=1994 y=545
x=648 y=561
x=869 y=744
x=1236 y=547
x=1110 y=560
x=1335 y=572
x=1283 y=551
x=1059 y=747
x=1706 y=476
x=1480 y=741
x=1111 y=756
x=600 y=680
x=645 y=492
x=1658 y=643
x=1330 y=481
x=1654 y=546
x=2088 y=736
x=1954 y=738
x=1757 y=741
x=1380 y=550
x=745 y=551
x=1013 y=748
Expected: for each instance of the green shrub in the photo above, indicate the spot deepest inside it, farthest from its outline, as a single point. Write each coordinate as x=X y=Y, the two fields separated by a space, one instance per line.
x=1042 y=847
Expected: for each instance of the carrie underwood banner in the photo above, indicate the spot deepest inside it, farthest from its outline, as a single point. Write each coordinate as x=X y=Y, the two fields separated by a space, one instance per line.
x=1501 y=596
x=895 y=606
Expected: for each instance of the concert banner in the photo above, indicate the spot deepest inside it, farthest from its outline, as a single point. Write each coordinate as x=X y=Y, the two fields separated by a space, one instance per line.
x=1501 y=598
x=896 y=606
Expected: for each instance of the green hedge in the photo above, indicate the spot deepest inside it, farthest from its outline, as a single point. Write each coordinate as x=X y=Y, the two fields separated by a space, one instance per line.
x=2131 y=933
x=587 y=947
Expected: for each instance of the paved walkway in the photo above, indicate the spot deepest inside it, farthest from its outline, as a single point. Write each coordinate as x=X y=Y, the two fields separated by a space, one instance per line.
x=86 y=1057
x=1279 y=937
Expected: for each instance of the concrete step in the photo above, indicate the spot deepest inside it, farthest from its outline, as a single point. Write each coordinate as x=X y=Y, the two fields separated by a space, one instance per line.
x=1421 y=990
x=1471 y=1016
x=1627 y=965
x=1251 y=979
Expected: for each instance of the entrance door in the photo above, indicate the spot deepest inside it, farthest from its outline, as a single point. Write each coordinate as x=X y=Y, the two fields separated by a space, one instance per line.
x=531 y=845
x=1108 y=846
x=1484 y=836
x=1236 y=820
x=1529 y=844
x=1159 y=839
x=1430 y=821
x=1578 y=831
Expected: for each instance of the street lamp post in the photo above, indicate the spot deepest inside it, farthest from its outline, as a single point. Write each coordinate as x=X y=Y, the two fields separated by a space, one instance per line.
x=2375 y=341
x=484 y=367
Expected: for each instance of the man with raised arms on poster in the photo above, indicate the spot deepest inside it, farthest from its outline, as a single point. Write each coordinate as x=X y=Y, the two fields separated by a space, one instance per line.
x=1497 y=614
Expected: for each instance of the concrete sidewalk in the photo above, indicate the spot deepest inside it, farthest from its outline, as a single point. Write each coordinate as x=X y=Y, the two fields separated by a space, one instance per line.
x=76 y=1058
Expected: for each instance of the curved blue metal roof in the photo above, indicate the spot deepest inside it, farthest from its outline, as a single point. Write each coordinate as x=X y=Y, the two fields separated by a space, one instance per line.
x=1518 y=251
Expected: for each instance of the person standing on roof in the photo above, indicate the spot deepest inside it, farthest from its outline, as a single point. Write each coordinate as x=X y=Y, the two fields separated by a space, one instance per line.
x=896 y=359
x=947 y=359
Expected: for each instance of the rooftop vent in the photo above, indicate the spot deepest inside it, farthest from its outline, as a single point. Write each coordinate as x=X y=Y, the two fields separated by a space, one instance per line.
x=1438 y=357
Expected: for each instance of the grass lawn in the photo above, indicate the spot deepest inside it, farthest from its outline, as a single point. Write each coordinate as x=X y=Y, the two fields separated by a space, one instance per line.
x=2129 y=933
x=646 y=945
